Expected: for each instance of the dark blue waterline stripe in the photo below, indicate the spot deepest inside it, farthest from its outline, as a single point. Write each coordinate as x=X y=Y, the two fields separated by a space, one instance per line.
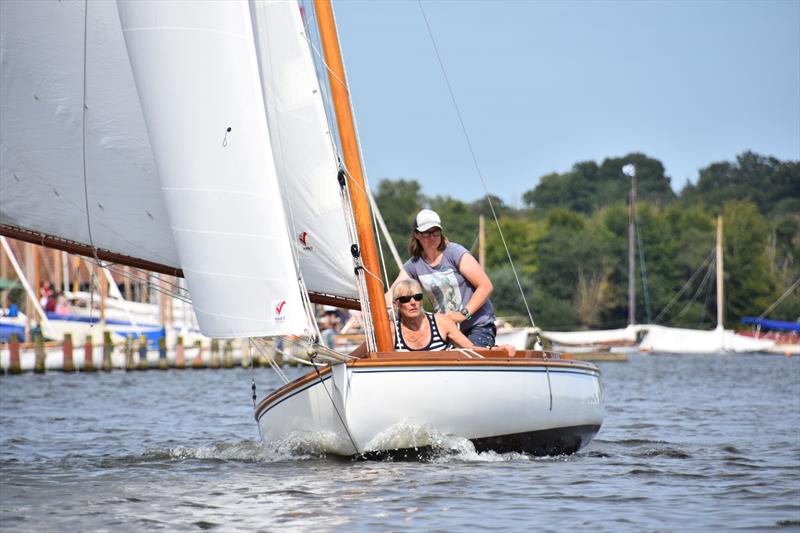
x=298 y=391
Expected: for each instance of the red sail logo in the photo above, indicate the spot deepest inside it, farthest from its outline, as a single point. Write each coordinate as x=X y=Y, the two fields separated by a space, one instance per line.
x=279 y=307
x=303 y=238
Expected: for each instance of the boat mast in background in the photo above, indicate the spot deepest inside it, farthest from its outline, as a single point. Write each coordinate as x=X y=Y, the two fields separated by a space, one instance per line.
x=720 y=287
x=630 y=170
x=352 y=161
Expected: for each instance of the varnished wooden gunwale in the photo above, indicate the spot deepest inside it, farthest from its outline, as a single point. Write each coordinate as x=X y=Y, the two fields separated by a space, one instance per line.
x=422 y=359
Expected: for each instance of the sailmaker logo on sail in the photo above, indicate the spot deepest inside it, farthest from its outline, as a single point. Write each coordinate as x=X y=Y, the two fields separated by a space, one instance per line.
x=278 y=315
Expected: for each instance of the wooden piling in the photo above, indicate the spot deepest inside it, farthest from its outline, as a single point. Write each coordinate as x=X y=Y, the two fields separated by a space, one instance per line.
x=13 y=347
x=66 y=348
x=38 y=343
x=180 y=356
x=214 y=354
x=88 y=351
x=129 y=362
x=162 y=353
x=107 y=349
x=227 y=354
x=143 y=364
x=198 y=359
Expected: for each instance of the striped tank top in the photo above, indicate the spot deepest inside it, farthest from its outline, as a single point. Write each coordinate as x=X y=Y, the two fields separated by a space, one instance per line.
x=436 y=344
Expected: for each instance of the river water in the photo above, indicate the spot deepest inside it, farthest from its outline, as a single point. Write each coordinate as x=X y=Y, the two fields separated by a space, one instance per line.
x=688 y=442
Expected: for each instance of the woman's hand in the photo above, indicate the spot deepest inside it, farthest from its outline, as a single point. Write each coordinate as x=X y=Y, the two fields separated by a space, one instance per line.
x=456 y=316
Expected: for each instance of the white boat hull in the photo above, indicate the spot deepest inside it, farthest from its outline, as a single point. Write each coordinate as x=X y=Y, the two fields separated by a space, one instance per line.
x=538 y=407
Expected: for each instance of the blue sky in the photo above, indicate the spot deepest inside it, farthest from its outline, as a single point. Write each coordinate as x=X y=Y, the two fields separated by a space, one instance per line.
x=542 y=85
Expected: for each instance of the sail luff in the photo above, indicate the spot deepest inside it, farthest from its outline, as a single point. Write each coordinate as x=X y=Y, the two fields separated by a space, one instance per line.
x=352 y=160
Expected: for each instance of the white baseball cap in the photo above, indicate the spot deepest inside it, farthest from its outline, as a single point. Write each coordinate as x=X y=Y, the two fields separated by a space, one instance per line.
x=427 y=219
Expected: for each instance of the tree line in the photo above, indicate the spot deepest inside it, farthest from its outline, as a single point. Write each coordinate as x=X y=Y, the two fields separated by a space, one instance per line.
x=569 y=241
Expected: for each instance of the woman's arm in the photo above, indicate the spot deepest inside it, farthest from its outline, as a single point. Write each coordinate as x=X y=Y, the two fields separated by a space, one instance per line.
x=474 y=273
x=450 y=332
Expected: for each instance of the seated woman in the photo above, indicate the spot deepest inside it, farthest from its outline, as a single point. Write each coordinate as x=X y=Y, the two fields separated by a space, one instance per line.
x=417 y=330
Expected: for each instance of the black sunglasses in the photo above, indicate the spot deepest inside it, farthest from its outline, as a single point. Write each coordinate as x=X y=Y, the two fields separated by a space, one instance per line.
x=405 y=299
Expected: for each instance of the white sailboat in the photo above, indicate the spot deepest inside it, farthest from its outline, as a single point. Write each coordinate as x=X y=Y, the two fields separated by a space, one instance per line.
x=619 y=338
x=664 y=339
x=190 y=138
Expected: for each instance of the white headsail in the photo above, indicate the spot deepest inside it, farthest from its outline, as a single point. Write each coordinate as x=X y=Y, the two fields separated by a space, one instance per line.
x=196 y=71
x=303 y=149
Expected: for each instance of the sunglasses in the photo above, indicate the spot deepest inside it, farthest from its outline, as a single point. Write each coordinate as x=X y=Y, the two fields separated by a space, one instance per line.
x=430 y=233
x=405 y=299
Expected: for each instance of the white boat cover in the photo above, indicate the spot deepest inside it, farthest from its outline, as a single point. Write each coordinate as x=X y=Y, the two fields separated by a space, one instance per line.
x=196 y=72
x=665 y=339
x=625 y=335
x=303 y=149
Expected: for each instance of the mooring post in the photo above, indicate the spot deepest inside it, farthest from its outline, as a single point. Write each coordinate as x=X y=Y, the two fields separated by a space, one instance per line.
x=214 y=354
x=38 y=343
x=162 y=353
x=198 y=359
x=180 y=356
x=88 y=354
x=13 y=347
x=143 y=364
x=227 y=358
x=107 y=348
x=129 y=363
x=66 y=348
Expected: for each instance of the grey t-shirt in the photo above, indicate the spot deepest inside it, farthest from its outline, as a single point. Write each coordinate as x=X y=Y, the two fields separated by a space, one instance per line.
x=446 y=288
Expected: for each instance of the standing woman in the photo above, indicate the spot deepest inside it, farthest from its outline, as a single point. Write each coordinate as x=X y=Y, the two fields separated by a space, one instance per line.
x=452 y=278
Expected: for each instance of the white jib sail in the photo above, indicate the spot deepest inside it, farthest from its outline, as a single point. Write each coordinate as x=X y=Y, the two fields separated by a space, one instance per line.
x=42 y=132
x=303 y=149
x=197 y=75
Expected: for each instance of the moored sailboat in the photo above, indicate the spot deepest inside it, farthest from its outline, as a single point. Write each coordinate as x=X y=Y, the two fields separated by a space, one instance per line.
x=233 y=173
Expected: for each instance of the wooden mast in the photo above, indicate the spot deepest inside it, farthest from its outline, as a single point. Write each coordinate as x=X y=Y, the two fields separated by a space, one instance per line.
x=352 y=161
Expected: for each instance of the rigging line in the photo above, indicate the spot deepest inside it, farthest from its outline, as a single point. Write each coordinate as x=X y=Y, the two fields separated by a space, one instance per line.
x=150 y=285
x=685 y=286
x=83 y=150
x=333 y=404
x=475 y=162
x=643 y=269
x=700 y=288
x=779 y=300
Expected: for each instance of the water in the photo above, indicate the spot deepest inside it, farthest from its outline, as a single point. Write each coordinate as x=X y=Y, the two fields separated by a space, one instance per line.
x=689 y=442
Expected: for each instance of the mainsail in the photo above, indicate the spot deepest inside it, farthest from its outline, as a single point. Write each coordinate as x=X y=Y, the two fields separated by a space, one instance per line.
x=164 y=180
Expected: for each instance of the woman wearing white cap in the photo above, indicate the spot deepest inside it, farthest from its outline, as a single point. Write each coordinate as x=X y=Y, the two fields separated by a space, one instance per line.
x=452 y=278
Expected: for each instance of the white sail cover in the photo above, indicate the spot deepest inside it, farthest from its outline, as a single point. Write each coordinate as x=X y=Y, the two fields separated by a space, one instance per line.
x=196 y=71
x=665 y=339
x=303 y=148
x=602 y=336
x=42 y=137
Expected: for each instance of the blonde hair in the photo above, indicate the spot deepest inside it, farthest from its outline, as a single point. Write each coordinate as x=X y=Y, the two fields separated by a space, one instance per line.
x=406 y=287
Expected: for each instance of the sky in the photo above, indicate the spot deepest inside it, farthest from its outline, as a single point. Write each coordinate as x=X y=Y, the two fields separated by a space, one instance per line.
x=542 y=85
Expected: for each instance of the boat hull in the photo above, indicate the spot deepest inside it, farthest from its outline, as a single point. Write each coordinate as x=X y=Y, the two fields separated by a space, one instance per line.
x=526 y=405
